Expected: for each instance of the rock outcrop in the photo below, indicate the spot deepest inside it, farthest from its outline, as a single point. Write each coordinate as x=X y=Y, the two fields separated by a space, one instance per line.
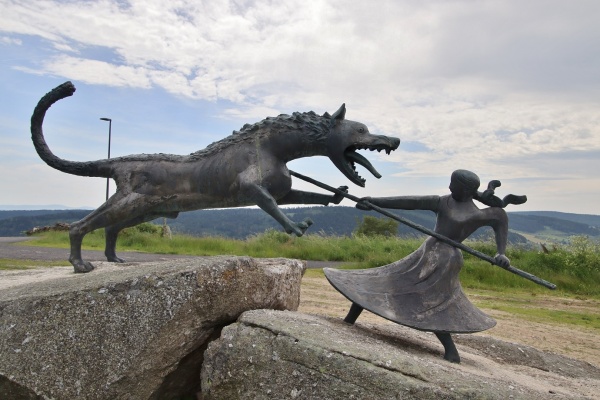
x=170 y=329
x=287 y=355
x=128 y=331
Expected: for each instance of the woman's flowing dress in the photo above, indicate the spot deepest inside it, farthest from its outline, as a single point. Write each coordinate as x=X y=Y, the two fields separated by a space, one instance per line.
x=421 y=291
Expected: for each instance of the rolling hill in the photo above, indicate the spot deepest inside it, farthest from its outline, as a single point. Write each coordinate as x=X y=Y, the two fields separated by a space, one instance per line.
x=239 y=223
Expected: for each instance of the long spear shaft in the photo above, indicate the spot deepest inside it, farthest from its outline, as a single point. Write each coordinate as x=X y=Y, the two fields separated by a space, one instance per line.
x=427 y=231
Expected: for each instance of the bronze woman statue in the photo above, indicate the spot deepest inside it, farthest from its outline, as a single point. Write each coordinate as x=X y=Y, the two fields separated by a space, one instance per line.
x=422 y=290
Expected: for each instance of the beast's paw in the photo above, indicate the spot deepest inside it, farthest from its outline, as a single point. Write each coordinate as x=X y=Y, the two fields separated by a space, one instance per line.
x=299 y=228
x=114 y=258
x=364 y=204
x=337 y=198
x=82 y=266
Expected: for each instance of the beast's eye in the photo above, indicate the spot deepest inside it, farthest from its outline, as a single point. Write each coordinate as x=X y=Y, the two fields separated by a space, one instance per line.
x=361 y=130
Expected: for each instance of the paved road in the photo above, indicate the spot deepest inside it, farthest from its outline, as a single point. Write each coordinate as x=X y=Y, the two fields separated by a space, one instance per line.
x=9 y=250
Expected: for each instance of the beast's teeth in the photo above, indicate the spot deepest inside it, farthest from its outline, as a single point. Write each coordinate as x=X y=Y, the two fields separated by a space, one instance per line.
x=352 y=157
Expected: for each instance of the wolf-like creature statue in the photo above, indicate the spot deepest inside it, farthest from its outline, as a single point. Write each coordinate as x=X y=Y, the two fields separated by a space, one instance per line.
x=246 y=168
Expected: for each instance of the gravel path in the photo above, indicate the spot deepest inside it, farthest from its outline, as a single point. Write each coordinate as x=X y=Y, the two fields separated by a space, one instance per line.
x=9 y=250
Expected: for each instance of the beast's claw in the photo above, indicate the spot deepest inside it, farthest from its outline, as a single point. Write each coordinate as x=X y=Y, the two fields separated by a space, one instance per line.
x=306 y=223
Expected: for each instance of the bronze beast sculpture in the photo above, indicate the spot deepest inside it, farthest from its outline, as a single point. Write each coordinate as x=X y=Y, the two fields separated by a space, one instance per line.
x=246 y=168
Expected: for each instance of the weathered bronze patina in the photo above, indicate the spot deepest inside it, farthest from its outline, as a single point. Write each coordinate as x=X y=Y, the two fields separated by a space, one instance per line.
x=423 y=290
x=246 y=168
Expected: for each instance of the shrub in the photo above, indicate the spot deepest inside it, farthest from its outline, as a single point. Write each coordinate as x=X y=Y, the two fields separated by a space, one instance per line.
x=148 y=227
x=373 y=226
x=583 y=256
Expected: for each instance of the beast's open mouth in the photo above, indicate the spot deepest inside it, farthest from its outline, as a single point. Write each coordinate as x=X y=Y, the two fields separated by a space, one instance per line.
x=351 y=158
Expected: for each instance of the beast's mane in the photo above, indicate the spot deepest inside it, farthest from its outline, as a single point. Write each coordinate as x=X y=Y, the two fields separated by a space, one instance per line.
x=315 y=128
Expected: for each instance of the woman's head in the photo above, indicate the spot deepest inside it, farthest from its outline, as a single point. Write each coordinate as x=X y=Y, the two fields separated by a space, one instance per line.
x=463 y=184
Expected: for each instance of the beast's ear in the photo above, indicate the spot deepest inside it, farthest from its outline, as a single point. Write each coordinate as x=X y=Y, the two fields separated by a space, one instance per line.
x=326 y=115
x=339 y=114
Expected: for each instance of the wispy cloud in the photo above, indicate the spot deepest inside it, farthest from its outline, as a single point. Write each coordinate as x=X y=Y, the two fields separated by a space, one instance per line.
x=8 y=40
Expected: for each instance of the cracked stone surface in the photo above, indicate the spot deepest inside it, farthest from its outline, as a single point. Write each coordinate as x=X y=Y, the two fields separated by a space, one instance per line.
x=128 y=331
x=276 y=354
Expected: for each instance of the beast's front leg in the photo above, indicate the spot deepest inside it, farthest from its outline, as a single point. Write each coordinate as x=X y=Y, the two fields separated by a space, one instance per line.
x=301 y=197
x=267 y=203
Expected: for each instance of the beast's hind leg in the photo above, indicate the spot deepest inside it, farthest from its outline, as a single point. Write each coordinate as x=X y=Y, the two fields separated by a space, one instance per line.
x=112 y=231
x=118 y=208
x=77 y=232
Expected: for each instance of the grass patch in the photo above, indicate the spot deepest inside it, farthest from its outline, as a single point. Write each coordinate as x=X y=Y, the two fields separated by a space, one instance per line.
x=12 y=264
x=367 y=251
x=575 y=269
x=558 y=310
x=557 y=317
x=314 y=273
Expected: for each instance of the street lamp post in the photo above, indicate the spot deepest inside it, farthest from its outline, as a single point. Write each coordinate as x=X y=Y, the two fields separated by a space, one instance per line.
x=109 y=134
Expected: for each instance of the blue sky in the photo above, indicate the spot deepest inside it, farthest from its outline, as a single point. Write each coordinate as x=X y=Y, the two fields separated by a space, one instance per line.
x=508 y=89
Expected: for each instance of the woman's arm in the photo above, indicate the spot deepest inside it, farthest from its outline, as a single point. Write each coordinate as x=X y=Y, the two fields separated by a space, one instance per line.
x=405 y=202
x=499 y=222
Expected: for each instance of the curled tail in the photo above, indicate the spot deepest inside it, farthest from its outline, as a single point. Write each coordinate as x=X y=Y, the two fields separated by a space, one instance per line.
x=37 y=136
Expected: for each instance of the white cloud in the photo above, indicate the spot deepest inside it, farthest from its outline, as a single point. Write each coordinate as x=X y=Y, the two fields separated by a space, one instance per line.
x=330 y=45
x=485 y=85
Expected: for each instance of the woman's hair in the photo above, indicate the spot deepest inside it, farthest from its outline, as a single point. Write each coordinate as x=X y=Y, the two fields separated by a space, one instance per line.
x=470 y=181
